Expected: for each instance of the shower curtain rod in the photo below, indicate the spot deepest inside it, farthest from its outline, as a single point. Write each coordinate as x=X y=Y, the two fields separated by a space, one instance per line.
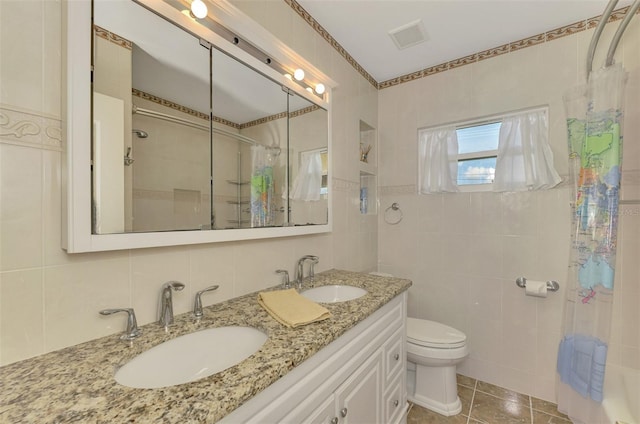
x=604 y=19
x=186 y=122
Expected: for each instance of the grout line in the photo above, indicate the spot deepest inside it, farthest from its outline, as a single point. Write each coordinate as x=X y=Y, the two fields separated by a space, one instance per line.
x=531 y=409
x=473 y=396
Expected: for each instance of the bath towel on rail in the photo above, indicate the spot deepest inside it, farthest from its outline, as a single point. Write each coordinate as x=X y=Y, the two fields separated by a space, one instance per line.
x=581 y=363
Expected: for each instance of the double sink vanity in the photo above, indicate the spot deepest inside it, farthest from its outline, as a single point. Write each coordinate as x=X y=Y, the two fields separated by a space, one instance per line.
x=349 y=367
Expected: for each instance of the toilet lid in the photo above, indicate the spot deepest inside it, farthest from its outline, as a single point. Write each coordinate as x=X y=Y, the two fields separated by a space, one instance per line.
x=433 y=334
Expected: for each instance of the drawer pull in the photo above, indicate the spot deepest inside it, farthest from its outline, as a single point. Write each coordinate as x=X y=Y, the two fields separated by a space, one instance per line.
x=343 y=412
x=396 y=356
x=334 y=420
x=396 y=403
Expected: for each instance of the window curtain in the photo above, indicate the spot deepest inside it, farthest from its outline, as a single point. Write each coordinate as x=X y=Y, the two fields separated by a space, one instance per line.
x=525 y=160
x=438 y=160
x=308 y=182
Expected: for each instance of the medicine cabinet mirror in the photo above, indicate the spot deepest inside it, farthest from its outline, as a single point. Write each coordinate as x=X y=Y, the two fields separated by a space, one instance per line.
x=189 y=138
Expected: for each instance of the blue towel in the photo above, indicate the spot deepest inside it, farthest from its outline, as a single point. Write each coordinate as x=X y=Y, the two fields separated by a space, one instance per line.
x=581 y=364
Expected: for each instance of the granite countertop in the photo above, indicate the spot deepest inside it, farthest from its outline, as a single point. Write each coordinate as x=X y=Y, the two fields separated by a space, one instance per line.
x=76 y=384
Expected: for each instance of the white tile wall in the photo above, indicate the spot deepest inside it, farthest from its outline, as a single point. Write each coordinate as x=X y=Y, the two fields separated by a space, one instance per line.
x=48 y=299
x=464 y=251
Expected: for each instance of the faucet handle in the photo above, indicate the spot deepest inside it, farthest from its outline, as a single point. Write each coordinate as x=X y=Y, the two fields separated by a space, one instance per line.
x=285 y=278
x=176 y=285
x=197 y=305
x=132 y=331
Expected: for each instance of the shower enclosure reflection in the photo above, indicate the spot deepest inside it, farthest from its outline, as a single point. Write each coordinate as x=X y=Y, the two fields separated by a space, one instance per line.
x=186 y=137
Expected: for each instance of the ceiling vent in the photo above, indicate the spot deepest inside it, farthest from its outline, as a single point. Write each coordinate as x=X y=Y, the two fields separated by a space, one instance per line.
x=408 y=35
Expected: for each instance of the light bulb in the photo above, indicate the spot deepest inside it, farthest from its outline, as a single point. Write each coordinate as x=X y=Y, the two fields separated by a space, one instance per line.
x=320 y=88
x=288 y=76
x=199 y=9
x=298 y=74
x=309 y=89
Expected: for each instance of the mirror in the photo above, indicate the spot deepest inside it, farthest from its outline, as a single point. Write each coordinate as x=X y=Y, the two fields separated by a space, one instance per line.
x=308 y=159
x=188 y=138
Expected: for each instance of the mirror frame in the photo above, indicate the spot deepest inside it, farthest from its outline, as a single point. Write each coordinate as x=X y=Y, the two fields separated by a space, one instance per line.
x=76 y=176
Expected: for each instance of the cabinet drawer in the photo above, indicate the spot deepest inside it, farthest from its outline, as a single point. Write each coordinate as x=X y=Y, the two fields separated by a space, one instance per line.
x=394 y=404
x=394 y=355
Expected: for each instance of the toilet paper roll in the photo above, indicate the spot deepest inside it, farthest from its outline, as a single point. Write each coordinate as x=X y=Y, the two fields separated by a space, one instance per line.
x=536 y=288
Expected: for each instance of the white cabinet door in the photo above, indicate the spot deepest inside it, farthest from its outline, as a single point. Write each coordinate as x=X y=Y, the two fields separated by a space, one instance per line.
x=324 y=414
x=358 y=399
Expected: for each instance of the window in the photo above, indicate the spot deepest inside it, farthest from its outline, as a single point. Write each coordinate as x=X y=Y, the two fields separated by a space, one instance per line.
x=477 y=153
x=501 y=153
x=324 y=186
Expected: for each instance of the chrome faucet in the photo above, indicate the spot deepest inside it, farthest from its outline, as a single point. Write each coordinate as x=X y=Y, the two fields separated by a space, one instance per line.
x=285 y=278
x=314 y=261
x=166 y=303
x=300 y=268
x=197 y=304
x=132 y=331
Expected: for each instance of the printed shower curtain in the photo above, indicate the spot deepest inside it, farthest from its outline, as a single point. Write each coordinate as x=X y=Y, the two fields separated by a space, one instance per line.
x=594 y=120
x=262 y=186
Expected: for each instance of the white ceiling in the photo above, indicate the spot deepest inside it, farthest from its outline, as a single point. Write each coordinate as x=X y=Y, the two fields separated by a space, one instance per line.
x=455 y=28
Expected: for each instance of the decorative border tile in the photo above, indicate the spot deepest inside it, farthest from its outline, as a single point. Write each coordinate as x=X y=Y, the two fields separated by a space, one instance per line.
x=527 y=42
x=473 y=58
x=566 y=30
x=112 y=37
x=303 y=111
x=29 y=129
x=205 y=117
x=493 y=52
x=463 y=61
x=175 y=106
x=263 y=120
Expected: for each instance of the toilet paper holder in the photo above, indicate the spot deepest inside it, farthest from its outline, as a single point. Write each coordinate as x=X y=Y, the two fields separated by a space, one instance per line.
x=551 y=285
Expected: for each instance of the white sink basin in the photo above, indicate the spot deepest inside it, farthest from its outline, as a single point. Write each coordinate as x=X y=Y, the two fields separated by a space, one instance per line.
x=333 y=294
x=191 y=357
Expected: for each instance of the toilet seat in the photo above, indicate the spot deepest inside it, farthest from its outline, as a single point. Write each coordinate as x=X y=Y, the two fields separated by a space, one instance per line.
x=433 y=334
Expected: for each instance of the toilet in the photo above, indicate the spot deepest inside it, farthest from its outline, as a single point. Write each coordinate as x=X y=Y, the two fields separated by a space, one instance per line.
x=433 y=351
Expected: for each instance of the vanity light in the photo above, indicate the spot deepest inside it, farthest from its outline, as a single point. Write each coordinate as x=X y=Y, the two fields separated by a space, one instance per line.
x=310 y=90
x=298 y=74
x=199 y=9
x=320 y=88
x=288 y=76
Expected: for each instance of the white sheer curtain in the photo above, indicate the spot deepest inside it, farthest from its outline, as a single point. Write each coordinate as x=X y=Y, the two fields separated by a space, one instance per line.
x=438 y=160
x=525 y=160
x=308 y=182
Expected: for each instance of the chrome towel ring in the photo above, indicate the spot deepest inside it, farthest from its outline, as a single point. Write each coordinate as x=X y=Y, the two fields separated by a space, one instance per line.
x=389 y=216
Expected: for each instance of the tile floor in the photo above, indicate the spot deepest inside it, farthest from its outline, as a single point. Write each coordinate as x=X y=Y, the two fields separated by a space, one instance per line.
x=488 y=404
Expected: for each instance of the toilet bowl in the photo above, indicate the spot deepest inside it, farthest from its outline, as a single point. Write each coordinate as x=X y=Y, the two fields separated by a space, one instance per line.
x=433 y=351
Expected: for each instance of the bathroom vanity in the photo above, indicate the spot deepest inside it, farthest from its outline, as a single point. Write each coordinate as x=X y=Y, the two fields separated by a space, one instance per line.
x=348 y=368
